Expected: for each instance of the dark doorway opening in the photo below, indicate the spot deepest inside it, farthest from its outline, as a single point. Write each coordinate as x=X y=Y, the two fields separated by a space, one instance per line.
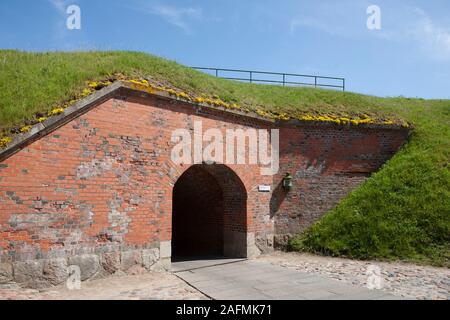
x=197 y=225
x=209 y=214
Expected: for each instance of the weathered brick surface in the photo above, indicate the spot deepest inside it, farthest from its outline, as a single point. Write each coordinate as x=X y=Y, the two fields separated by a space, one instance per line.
x=103 y=183
x=326 y=164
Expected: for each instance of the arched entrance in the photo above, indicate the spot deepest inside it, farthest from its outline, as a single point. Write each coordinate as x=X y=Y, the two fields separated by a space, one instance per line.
x=209 y=217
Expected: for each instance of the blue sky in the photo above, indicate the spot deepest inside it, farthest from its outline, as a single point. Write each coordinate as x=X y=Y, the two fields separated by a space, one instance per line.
x=409 y=56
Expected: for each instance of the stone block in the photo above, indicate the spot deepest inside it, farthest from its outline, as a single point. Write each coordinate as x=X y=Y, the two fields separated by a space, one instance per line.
x=149 y=258
x=252 y=249
x=89 y=265
x=29 y=273
x=6 y=273
x=110 y=262
x=130 y=258
x=55 y=271
x=165 y=249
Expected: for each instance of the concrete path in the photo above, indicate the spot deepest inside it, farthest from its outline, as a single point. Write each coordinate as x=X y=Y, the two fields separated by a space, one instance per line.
x=253 y=279
x=188 y=265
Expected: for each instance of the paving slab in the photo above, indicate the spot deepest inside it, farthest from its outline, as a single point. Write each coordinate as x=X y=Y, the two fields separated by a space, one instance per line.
x=225 y=279
x=190 y=264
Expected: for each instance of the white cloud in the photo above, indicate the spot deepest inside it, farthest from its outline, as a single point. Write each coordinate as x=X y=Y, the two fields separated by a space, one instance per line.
x=59 y=5
x=60 y=30
x=433 y=38
x=404 y=24
x=179 y=17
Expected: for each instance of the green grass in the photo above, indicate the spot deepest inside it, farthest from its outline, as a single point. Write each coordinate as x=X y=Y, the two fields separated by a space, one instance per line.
x=34 y=82
x=401 y=212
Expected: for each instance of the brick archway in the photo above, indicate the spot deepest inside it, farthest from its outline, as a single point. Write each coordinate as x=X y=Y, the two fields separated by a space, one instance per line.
x=209 y=216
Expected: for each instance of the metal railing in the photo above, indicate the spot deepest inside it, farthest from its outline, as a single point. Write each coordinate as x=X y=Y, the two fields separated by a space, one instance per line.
x=284 y=79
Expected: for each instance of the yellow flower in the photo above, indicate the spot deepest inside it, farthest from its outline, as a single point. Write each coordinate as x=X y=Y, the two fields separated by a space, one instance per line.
x=86 y=92
x=307 y=117
x=25 y=129
x=284 y=116
x=139 y=82
x=5 y=141
x=367 y=120
x=219 y=103
x=56 y=111
x=41 y=119
x=183 y=95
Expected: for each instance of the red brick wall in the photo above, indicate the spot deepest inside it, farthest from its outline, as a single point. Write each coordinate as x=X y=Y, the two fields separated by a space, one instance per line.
x=104 y=181
x=326 y=163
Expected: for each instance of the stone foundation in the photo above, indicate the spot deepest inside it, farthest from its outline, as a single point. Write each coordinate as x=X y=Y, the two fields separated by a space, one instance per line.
x=44 y=273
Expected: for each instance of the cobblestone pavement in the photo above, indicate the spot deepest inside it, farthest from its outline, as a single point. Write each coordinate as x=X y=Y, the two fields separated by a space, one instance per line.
x=400 y=279
x=149 y=286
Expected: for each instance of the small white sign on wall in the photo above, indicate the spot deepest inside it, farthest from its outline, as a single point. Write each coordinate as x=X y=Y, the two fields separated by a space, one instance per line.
x=263 y=188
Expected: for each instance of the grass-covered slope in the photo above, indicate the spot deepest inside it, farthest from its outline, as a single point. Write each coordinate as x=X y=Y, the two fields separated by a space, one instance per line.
x=36 y=82
x=403 y=211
